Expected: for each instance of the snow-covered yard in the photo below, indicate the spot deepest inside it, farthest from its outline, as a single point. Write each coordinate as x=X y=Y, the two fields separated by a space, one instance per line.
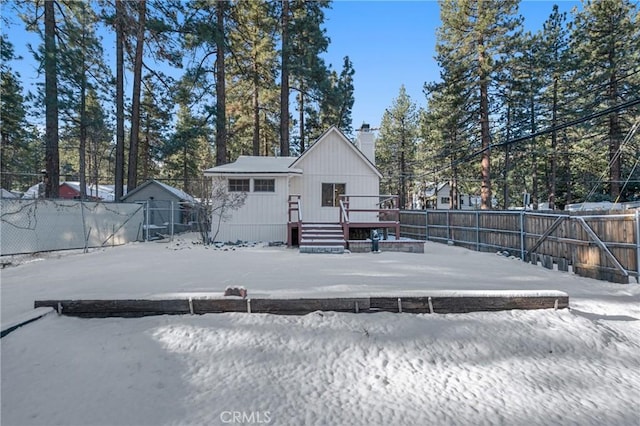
x=578 y=366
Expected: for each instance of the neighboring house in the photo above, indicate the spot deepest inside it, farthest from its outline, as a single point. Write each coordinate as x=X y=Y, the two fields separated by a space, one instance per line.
x=285 y=194
x=71 y=191
x=35 y=191
x=7 y=194
x=438 y=196
x=167 y=206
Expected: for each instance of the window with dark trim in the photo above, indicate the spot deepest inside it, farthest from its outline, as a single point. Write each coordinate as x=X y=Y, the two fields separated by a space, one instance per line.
x=331 y=194
x=238 y=185
x=444 y=200
x=264 y=185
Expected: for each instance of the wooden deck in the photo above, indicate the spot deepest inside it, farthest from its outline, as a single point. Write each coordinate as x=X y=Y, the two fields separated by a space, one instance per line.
x=385 y=210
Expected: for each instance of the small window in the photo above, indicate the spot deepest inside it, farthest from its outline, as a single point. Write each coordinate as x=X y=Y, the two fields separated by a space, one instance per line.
x=238 y=185
x=264 y=185
x=331 y=193
x=444 y=200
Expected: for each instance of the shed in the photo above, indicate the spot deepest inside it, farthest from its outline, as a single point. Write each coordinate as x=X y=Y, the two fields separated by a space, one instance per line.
x=166 y=206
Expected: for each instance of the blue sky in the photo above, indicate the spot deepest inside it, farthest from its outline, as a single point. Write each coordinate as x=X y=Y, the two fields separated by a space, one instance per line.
x=390 y=43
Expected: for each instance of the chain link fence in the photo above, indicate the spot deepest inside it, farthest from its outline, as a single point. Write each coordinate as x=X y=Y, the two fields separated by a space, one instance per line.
x=164 y=218
x=36 y=225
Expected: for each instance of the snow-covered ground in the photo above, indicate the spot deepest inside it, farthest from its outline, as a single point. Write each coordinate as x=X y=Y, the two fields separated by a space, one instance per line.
x=578 y=366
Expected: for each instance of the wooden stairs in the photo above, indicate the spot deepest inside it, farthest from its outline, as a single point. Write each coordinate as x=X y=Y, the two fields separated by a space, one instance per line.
x=322 y=238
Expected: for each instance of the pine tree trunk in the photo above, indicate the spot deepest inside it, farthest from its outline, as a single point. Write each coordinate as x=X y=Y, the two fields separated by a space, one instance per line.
x=119 y=167
x=132 y=177
x=568 y=174
x=403 y=171
x=534 y=155
x=52 y=179
x=485 y=191
x=221 y=117
x=96 y=171
x=485 y=135
x=453 y=198
x=185 y=168
x=146 y=151
x=301 y=119
x=615 y=134
x=82 y=150
x=554 y=148
x=256 y=109
x=505 y=188
x=284 y=85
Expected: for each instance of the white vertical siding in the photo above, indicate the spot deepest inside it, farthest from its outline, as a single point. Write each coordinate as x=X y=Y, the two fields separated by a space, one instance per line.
x=334 y=162
x=262 y=218
x=252 y=232
x=332 y=159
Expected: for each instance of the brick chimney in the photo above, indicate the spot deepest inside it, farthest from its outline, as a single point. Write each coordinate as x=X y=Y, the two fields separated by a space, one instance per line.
x=366 y=142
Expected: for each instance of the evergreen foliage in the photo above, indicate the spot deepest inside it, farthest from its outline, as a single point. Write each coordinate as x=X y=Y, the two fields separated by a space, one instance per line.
x=396 y=147
x=208 y=81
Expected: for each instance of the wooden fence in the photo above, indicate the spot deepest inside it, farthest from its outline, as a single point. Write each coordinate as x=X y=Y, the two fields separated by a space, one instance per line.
x=601 y=246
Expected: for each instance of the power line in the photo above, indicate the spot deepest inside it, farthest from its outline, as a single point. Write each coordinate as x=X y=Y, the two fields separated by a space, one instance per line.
x=607 y=111
x=548 y=130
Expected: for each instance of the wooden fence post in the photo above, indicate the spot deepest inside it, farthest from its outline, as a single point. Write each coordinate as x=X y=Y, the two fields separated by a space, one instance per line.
x=522 y=236
x=426 y=225
x=477 y=230
x=638 y=246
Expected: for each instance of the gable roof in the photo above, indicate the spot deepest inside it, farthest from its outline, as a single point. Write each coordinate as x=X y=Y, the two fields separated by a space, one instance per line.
x=103 y=192
x=252 y=164
x=432 y=188
x=7 y=194
x=346 y=141
x=178 y=193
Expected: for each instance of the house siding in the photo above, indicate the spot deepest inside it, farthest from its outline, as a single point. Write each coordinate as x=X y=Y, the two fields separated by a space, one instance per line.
x=335 y=162
x=262 y=218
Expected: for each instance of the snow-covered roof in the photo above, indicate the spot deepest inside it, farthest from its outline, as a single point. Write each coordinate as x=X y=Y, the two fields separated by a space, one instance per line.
x=178 y=193
x=7 y=194
x=256 y=165
x=103 y=192
x=32 y=192
x=602 y=205
x=431 y=190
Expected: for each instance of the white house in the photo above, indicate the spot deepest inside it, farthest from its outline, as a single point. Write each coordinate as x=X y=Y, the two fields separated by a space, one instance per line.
x=438 y=196
x=285 y=194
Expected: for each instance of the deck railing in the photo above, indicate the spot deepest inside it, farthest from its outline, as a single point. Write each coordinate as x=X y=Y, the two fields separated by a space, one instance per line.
x=295 y=206
x=384 y=207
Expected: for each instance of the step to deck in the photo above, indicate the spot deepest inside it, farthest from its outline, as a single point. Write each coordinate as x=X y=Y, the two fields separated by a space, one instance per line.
x=322 y=249
x=322 y=238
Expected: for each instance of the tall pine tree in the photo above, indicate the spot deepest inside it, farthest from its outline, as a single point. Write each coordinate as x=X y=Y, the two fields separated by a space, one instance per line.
x=396 y=147
x=605 y=36
x=475 y=34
